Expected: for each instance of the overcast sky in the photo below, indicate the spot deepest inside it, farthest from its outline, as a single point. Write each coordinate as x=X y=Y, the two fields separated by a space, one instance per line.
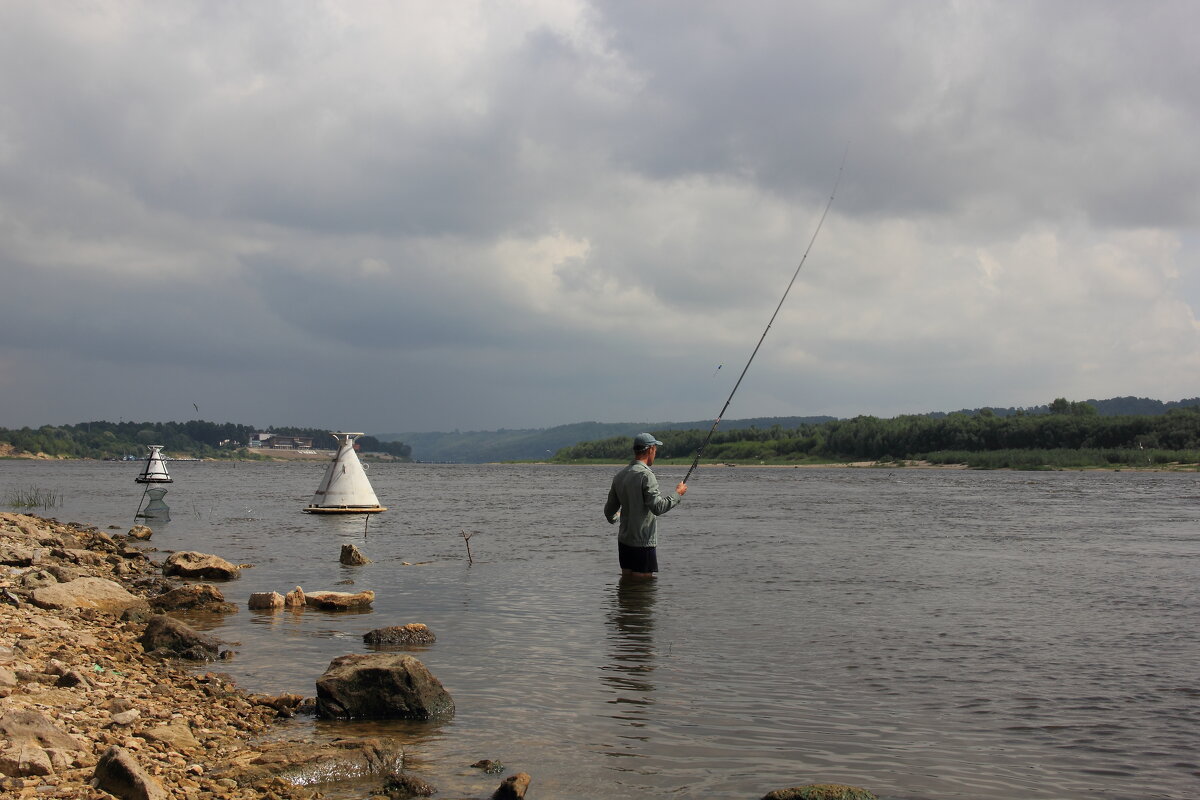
x=412 y=216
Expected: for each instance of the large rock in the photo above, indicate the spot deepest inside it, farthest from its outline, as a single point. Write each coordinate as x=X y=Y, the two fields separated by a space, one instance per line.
x=73 y=678
x=140 y=532
x=176 y=735
x=37 y=578
x=314 y=763
x=33 y=745
x=190 y=564
x=820 y=791
x=84 y=558
x=265 y=601
x=285 y=704
x=63 y=573
x=168 y=636
x=94 y=539
x=403 y=785
x=513 y=787
x=132 y=553
x=339 y=601
x=351 y=556
x=97 y=593
x=25 y=760
x=15 y=555
x=16 y=726
x=412 y=633
x=381 y=686
x=119 y=773
x=199 y=596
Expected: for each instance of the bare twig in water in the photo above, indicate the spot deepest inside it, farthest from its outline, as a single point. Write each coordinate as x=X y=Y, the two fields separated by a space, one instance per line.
x=467 y=538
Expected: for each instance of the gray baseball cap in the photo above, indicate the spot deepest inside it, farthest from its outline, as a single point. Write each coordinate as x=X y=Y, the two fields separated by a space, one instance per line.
x=644 y=440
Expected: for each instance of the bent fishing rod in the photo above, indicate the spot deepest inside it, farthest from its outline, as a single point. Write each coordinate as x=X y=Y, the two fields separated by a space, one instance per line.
x=745 y=369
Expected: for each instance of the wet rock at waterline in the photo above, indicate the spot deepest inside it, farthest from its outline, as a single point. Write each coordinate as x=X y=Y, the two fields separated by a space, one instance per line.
x=401 y=786
x=286 y=705
x=820 y=791
x=190 y=564
x=171 y=638
x=131 y=552
x=412 y=633
x=196 y=597
x=140 y=532
x=352 y=557
x=381 y=686
x=265 y=601
x=316 y=764
x=294 y=598
x=339 y=601
x=513 y=787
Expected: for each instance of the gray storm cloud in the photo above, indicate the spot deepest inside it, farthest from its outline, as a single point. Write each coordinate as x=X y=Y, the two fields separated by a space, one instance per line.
x=482 y=216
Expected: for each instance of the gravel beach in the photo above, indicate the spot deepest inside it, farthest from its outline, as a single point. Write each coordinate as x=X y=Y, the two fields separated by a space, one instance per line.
x=87 y=712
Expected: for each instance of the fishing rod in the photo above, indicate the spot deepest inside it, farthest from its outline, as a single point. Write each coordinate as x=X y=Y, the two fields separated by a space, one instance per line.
x=724 y=408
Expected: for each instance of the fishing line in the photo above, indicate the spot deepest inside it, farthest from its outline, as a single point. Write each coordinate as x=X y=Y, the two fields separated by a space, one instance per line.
x=724 y=408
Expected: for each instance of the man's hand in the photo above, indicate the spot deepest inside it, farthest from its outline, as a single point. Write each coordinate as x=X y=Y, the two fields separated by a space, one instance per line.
x=681 y=489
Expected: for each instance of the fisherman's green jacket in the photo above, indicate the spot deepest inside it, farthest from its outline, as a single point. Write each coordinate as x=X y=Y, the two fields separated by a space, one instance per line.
x=636 y=496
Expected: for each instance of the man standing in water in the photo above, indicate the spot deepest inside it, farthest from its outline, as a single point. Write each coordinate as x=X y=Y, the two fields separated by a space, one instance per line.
x=635 y=497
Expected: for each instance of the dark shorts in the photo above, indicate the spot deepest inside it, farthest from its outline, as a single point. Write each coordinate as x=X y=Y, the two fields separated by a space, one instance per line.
x=637 y=559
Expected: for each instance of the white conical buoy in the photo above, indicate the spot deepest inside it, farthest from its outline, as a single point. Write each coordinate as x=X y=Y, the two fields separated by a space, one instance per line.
x=155 y=468
x=345 y=488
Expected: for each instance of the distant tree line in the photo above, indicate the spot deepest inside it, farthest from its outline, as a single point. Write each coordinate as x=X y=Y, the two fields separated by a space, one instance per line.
x=1112 y=407
x=197 y=438
x=369 y=444
x=1064 y=426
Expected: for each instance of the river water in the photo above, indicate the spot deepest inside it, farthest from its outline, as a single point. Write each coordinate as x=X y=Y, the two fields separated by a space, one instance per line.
x=925 y=634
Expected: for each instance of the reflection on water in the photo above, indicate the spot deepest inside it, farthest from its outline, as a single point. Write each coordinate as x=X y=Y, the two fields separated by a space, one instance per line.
x=929 y=635
x=630 y=672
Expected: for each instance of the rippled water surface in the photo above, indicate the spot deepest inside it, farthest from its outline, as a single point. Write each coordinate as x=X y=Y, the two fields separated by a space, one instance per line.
x=925 y=634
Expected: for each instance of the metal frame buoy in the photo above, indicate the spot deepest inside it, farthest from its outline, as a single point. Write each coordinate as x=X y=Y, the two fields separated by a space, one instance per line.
x=154 y=470
x=345 y=488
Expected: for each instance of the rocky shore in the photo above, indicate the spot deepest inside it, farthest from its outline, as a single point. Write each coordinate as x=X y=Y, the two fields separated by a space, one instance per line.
x=100 y=698
x=104 y=694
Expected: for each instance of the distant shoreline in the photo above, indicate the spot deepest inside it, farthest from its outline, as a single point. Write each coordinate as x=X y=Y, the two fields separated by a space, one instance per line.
x=280 y=456
x=880 y=465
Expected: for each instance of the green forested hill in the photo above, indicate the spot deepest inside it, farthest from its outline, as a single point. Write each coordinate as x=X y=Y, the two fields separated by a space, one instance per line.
x=197 y=438
x=1066 y=434
x=542 y=443
x=1113 y=407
